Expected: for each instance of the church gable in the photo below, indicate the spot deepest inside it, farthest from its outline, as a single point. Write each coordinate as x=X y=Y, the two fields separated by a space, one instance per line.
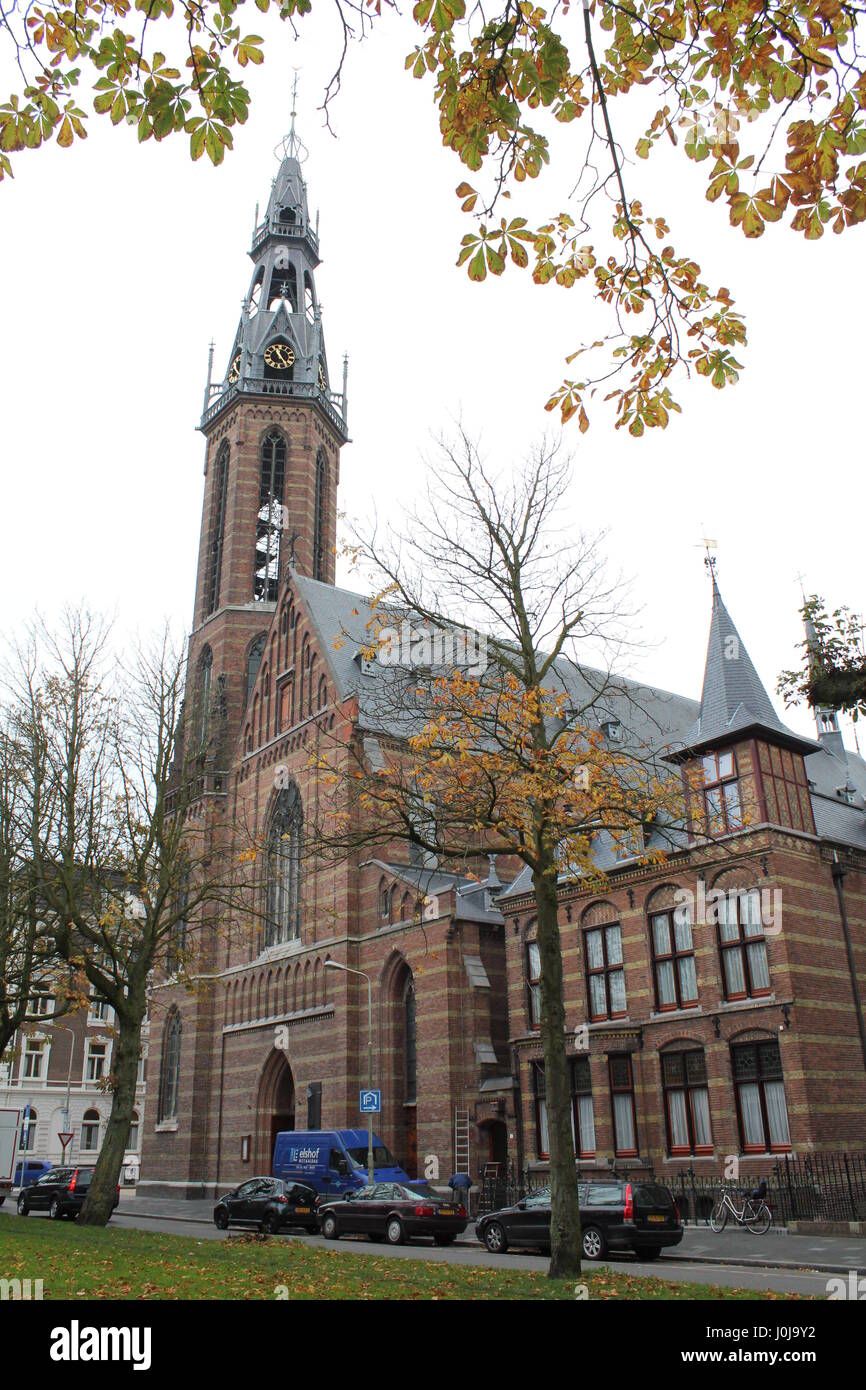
x=295 y=682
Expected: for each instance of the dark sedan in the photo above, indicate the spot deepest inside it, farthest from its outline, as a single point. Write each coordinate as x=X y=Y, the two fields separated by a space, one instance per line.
x=395 y=1212
x=639 y=1216
x=269 y=1204
x=60 y=1192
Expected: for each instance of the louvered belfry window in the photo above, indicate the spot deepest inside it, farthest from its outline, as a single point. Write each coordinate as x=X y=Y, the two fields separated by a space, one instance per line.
x=269 y=521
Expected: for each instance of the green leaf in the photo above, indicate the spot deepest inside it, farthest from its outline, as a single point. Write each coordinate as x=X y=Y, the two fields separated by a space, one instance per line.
x=477 y=270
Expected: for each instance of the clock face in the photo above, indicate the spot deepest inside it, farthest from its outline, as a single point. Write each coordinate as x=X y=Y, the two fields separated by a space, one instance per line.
x=279 y=357
x=323 y=385
x=234 y=369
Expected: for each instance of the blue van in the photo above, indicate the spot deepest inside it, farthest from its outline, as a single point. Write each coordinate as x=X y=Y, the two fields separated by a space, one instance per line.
x=29 y=1171
x=333 y=1161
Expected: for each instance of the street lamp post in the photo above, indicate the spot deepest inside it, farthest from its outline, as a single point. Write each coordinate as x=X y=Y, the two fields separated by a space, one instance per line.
x=335 y=965
x=61 y=1027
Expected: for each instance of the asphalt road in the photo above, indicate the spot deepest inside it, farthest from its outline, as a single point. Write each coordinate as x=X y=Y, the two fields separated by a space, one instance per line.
x=666 y=1267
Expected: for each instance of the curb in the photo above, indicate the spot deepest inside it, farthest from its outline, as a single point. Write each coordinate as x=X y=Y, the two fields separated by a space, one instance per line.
x=680 y=1257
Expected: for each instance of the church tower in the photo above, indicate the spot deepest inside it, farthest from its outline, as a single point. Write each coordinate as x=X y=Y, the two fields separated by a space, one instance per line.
x=274 y=430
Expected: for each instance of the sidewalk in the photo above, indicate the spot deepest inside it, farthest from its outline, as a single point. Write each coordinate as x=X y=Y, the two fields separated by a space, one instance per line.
x=775 y=1250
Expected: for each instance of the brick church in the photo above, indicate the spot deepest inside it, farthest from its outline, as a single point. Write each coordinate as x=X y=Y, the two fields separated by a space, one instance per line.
x=714 y=1006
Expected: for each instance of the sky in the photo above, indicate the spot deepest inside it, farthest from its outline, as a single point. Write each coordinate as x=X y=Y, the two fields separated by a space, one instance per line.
x=122 y=261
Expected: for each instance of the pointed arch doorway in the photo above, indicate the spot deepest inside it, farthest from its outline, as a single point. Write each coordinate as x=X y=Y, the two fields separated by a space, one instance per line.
x=275 y=1110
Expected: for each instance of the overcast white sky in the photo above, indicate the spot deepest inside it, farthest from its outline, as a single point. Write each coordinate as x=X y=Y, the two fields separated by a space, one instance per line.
x=122 y=261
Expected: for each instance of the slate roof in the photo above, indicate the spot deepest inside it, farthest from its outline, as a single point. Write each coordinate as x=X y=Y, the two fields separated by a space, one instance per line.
x=734 y=701
x=470 y=901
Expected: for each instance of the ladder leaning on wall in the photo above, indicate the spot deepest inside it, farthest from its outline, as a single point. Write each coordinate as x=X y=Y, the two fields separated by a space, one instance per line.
x=461 y=1141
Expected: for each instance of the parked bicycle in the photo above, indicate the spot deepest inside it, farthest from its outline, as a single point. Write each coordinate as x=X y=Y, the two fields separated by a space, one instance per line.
x=754 y=1214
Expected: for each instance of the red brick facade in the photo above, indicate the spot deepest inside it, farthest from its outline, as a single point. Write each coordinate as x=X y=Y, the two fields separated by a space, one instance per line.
x=273 y=1037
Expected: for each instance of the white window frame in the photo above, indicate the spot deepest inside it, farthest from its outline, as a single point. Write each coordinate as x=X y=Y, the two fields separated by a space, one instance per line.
x=88 y=1054
x=44 y=1053
x=90 y=1124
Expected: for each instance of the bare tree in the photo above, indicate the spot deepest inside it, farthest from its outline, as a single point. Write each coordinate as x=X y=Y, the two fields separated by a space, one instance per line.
x=29 y=969
x=503 y=751
x=122 y=880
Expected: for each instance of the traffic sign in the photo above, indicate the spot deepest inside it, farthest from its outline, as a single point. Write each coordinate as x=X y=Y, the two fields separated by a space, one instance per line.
x=371 y=1102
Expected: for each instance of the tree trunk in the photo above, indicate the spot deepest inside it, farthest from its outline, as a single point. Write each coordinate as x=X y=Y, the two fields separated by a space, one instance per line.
x=564 y=1205
x=99 y=1203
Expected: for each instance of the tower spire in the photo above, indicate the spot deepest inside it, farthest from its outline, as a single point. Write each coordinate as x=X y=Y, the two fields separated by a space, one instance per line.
x=292 y=147
x=734 y=702
x=279 y=343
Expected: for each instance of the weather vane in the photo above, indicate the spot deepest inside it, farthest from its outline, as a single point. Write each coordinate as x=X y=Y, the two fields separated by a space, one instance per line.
x=291 y=147
x=709 y=545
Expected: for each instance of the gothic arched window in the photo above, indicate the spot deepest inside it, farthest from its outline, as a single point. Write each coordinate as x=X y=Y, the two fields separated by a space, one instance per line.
x=217 y=530
x=205 y=680
x=319 y=516
x=283 y=921
x=410 y=1039
x=270 y=517
x=254 y=661
x=255 y=296
x=169 y=1074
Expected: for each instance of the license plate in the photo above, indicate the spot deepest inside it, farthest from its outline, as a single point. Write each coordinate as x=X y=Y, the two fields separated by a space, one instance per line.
x=446 y=1211
x=656 y=1218
x=302 y=1211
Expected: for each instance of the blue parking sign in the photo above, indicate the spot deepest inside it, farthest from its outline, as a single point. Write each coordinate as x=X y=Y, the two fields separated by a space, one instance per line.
x=371 y=1102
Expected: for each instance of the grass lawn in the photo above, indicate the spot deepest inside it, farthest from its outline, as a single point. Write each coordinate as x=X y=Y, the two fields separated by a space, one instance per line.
x=76 y=1262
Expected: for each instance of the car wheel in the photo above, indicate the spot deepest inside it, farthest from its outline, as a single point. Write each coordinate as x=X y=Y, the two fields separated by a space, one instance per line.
x=23 y=1209
x=394 y=1233
x=329 y=1227
x=443 y=1240
x=272 y=1224
x=651 y=1254
x=55 y=1211
x=221 y=1219
x=495 y=1238
x=593 y=1243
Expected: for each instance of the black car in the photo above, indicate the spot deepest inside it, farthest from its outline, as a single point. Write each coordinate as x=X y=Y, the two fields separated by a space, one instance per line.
x=640 y=1216
x=60 y=1192
x=270 y=1204
x=395 y=1212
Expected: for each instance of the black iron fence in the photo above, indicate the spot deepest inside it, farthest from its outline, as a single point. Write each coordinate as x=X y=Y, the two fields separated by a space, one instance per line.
x=811 y=1187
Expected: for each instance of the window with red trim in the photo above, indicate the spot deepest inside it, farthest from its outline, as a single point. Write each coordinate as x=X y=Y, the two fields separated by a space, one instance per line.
x=673 y=953
x=687 y=1102
x=533 y=984
x=622 y=1105
x=539 y=1091
x=582 y=1116
x=762 y=1109
x=722 y=804
x=605 y=972
x=743 y=949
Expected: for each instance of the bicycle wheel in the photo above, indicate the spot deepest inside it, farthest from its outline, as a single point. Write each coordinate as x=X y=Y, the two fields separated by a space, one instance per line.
x=760 y=1221
x=719 y=1216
